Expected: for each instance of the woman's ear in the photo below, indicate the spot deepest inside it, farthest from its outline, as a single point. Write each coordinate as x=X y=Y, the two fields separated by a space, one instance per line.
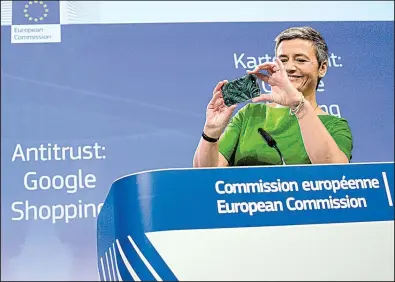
x=323 y=69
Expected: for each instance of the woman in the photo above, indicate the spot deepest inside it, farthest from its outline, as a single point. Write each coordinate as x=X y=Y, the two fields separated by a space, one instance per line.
x=304 y=133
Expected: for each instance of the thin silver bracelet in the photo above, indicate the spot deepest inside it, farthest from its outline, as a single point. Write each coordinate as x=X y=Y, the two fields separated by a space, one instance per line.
x=295 y=110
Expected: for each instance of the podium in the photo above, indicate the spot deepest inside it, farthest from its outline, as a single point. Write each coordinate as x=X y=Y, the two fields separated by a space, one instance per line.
x=309 y=222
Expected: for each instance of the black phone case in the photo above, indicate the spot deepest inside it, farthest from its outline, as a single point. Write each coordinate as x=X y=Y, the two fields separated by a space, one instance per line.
x=240 y=90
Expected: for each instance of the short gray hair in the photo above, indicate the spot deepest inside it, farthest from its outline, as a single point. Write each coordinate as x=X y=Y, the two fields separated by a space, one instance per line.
x=306 y=33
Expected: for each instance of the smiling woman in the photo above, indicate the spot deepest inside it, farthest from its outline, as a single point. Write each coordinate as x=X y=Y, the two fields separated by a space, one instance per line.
x=305 y=134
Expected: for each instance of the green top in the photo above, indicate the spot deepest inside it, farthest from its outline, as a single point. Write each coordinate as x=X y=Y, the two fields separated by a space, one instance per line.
x=242 y=145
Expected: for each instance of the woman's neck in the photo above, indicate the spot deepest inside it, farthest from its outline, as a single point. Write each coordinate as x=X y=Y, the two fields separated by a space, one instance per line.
x=311 y=97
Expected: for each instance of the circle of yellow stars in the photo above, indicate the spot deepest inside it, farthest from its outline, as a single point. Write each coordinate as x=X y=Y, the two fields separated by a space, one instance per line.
x=36 y=19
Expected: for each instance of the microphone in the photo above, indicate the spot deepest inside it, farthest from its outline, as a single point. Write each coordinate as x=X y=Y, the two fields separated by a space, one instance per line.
x=271 y=142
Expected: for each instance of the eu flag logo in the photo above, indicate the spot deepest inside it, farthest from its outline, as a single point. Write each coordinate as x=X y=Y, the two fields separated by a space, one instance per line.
x=35 y=12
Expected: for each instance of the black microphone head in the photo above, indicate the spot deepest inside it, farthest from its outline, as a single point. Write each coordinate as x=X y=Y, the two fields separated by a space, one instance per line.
x=269 y=140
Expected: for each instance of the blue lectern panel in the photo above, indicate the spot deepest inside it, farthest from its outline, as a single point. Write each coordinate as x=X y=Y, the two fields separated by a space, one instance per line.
x=196 y=199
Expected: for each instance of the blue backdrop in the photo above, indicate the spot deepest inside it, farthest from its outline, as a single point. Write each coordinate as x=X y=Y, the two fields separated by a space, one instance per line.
x=140 y=91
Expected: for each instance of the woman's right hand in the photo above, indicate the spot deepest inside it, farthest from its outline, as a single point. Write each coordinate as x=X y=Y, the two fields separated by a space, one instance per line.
x=217 y=113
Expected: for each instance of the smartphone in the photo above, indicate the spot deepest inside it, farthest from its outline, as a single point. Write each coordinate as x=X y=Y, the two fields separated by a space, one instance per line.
x=240 y=90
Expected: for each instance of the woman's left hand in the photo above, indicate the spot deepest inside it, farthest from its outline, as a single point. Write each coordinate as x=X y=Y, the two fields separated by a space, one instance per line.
x=283 y=92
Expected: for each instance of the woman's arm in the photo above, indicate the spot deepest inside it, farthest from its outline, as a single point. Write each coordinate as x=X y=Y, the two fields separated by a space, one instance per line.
x=320 y=145
x=217 y=117
x=208 y=155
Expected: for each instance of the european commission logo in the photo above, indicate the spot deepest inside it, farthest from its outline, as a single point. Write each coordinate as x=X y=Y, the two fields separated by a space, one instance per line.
x=35 y=22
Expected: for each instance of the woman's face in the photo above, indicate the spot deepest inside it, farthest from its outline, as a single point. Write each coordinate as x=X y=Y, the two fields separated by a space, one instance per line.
x=300 y=61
